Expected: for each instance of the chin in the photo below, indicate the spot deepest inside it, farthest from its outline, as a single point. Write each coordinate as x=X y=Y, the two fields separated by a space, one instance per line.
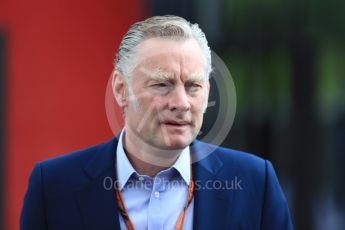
x=176 y=144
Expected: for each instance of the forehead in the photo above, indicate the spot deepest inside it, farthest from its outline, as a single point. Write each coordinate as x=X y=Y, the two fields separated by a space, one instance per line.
x=178 y=57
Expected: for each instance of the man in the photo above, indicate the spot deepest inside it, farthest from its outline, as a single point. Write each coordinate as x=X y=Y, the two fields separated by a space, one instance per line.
x=151 y=175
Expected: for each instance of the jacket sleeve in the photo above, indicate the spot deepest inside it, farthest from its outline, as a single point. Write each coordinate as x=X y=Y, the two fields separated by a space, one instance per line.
x=276 y=214
x=33 y=212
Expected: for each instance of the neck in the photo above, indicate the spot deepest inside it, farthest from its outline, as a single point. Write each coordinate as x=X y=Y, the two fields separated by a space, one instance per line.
x=142 y=167
x=147 y=160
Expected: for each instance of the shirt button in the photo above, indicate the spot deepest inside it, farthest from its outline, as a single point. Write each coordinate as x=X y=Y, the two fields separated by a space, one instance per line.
x=157 y=194
x=141 y=178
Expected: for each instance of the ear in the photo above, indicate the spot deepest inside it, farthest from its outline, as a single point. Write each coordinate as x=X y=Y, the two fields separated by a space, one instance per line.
x=119 y=89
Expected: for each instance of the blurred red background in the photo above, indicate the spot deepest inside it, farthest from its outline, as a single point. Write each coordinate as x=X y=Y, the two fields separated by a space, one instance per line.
x=285 y=57
x=58 y=60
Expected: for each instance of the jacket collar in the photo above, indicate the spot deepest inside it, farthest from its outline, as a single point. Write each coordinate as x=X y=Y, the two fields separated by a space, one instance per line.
x=95 y=201
x=211 y=204
x=201 y=154
x=103 y=160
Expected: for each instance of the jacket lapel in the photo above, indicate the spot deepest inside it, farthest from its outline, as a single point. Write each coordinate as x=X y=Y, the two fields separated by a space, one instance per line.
x=97 y=200
x=211 y=204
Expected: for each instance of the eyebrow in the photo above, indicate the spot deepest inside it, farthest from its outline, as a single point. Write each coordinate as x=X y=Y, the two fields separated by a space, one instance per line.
x=159 y=74
x=197 y=77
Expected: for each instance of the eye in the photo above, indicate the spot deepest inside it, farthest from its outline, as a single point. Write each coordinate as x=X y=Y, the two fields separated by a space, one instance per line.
x=161 y=87
x=193 y=87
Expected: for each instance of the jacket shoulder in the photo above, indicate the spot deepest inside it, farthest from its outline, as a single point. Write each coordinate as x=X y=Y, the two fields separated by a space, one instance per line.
x=244 y=160
x=235 y=163
x=71 y=160
x=66 y=173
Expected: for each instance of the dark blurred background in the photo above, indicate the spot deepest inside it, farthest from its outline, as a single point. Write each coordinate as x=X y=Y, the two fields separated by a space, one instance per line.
x=286 y=59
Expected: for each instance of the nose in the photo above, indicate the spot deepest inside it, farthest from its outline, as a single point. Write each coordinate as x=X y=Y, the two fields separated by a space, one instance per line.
x=178 y=100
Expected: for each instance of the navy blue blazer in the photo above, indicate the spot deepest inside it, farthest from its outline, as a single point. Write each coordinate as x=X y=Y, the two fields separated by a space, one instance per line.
x=234 y=190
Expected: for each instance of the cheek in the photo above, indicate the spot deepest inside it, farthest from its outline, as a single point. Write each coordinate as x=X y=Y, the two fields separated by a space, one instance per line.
x=201 y=105
x=198 y=119
x=149 y=110
x=198 y=112
x=157 y=106
x=198 y=116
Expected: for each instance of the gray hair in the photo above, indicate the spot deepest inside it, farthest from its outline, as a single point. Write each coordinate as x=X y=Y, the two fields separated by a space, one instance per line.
x=170 y=26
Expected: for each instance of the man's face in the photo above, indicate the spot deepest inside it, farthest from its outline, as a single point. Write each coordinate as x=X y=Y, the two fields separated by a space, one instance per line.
x=171 y=89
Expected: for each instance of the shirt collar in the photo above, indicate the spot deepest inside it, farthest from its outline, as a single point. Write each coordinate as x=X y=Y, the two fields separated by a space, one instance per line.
x=182 y=164
x=125 y=169
x=123 y=166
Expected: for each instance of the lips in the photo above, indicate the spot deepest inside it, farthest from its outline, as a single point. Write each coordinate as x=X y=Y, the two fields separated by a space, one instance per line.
x=176 y=122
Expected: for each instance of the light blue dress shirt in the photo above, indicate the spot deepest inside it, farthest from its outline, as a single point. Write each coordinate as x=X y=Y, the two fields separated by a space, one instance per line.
x=154 y=203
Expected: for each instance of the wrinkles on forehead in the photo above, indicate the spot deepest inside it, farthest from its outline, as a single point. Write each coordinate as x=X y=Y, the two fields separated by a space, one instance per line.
x=157 y=73
x=165 y=59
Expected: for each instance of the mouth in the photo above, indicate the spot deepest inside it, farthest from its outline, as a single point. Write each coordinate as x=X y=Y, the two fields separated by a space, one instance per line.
x=175 y=123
